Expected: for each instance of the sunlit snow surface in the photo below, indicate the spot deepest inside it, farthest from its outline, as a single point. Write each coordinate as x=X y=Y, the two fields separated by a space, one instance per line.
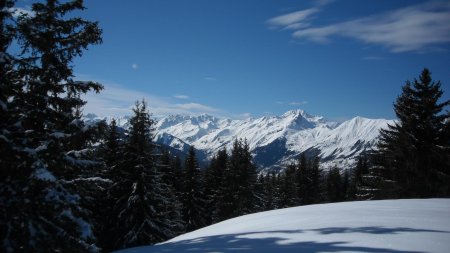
x=390 y=226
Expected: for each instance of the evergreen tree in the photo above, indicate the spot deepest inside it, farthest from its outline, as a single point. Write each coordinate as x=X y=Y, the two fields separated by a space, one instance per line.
x=241 y=164
x=270 y=195
x=302 y=178
x=357 y=173
x=315 y=192
x=171 y=174
x=335 y=190
x=308 y=180
x=378 y=183
x=287 y=188
x=192 y=197
x=142 y=203
x=346 y=186
x=237 y=193
x=110 y=150
x=416 y=148
x=225 y=205
x=177 y=184
x=213 y=179
x=46 y=147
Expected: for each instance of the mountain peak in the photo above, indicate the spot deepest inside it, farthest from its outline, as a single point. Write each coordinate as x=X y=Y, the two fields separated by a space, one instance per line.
x=306 y=120
x=296 y=112
x=90 y=116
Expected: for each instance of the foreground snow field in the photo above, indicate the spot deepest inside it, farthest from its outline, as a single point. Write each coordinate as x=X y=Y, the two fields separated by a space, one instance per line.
x=391 y=226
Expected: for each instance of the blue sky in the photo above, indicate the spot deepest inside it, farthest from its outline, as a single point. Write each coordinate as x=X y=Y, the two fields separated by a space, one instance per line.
x=245 y=58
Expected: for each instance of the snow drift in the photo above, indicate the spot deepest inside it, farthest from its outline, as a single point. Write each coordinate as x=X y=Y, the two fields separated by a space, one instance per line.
x=392 y=226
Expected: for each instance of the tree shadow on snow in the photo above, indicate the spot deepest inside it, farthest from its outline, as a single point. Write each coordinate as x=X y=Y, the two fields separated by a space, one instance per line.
x=274 y=241
x=373 y=230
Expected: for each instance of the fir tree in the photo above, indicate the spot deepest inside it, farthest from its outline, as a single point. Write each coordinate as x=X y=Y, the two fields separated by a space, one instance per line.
x=416 y=148
x=288 y=188
x=177 y=184
x=110 y=151
x=10 y=86
x=237 y=194
x=226 y=194
x=213 y=179
x=378 y=183
x=270 y=195
x=141 y=200
x=302 y=177
x=192 y=197
x=335 y=191
x=170 y=174
x=308 y=180
x=47 y=145
x=345 y=185
x=315 y=192
x=242 y=166
x=357 y=173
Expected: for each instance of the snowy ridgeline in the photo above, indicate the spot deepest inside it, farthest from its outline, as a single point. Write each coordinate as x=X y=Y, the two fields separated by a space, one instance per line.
x=392 y=226
x=273 y=140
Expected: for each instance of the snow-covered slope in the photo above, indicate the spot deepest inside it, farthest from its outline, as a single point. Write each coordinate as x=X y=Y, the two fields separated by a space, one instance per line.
x=392 y=226
x=273 y=140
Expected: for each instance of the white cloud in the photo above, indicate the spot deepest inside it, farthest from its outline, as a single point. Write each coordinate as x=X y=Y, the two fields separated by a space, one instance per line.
x=413 y=28
x=245 y=115
x=116 y=100
x=196 y=108
x=295 y=26
x=279 y=103
x=297 y=103
x=293 y=18
x=179 y=96
x=134 y=66
x=297 y=19
x=373 y=58
x=209 y=78
x=323 y=2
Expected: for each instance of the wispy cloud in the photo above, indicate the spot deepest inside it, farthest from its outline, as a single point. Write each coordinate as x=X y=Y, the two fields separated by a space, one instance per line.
x=179 y=96
x=245 y=115
x=293 y=20
x=297 y=103
x=116 y=100
x=195 y=108
x=298 y=19
x=209 y=78
x=323 y=2
x=373 y=58
x=134 y=66
x=414 y=28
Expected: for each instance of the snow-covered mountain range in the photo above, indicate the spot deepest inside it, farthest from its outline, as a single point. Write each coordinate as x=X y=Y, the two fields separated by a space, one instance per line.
x=273 y=140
